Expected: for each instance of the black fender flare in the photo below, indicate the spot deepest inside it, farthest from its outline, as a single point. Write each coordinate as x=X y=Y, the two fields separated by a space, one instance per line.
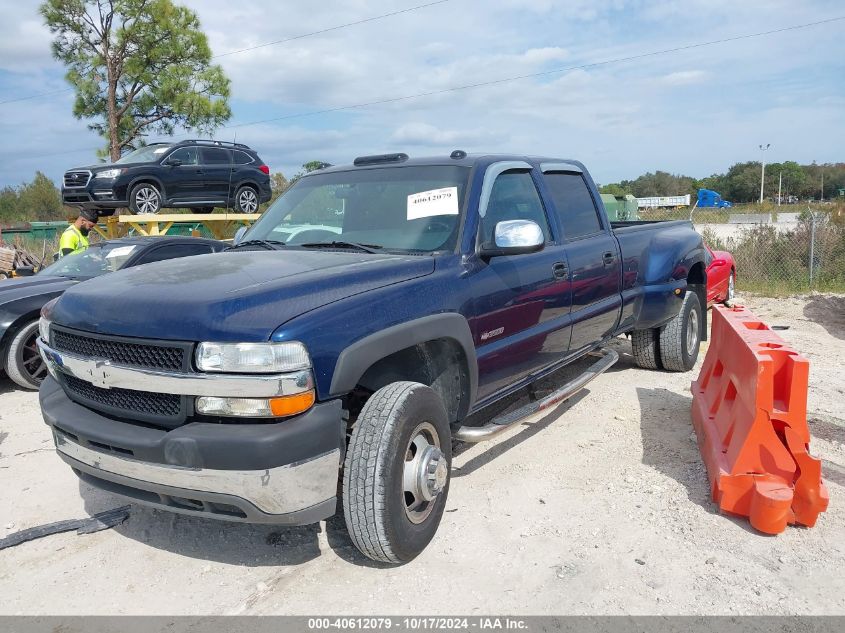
x=362 y=354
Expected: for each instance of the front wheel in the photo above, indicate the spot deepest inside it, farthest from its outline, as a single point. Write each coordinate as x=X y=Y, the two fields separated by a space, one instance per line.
x=24 y=364
x=681 y=337
x=396 y=473
x=145 y=199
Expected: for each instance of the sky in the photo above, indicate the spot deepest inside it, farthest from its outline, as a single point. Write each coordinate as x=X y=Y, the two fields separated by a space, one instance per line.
x=694 y=111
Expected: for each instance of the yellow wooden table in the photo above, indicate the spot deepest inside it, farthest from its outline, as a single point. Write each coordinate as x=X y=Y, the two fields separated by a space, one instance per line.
x=218 y=224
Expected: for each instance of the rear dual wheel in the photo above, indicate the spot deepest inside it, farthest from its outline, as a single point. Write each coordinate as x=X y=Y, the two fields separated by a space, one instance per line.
x=675 y=345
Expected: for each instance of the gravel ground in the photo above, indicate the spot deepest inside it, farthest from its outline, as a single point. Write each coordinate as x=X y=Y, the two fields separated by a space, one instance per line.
x=601 y=508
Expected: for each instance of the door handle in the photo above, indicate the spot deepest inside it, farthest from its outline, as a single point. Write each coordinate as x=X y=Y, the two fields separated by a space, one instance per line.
x=559 y=270
x=608 y=258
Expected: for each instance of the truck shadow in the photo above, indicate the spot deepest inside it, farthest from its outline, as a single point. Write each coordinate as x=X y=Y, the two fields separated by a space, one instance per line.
x=670 y=447
x=669 y=443
x=528 y=431
x=232 y=543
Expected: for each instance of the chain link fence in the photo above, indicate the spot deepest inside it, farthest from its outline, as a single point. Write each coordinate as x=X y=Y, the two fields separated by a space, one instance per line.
x=780 y=258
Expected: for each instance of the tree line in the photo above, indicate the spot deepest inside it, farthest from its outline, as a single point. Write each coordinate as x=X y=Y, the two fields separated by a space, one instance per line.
x=741 y=183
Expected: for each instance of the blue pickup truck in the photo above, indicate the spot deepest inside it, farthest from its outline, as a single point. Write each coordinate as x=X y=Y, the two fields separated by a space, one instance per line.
x=337 y=349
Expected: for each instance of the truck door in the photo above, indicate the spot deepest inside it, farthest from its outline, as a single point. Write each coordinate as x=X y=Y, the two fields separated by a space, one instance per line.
x=593 y=255
x=519 y=304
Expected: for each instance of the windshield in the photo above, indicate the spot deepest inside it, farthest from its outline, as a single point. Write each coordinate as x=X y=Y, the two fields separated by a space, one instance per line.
x=146 y=154
x=400 y=208
x=96 y=260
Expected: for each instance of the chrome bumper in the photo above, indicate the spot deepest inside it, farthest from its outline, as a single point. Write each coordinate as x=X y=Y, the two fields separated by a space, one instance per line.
x=104 y=374
x=275 y=491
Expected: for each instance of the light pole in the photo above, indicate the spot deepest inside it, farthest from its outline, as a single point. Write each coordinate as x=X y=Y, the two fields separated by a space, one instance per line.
x=763 y=148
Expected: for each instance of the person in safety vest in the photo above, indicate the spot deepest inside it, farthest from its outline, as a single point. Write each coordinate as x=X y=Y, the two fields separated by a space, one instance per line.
x=75 y=237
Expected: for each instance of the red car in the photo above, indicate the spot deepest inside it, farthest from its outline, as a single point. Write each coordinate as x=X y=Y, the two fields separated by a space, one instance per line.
x=721 y=276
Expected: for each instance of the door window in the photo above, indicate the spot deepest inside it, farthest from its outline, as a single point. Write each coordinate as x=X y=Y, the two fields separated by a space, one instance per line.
x=513 y=197
x=575 y=207
x=215 y=156
x=188 y=155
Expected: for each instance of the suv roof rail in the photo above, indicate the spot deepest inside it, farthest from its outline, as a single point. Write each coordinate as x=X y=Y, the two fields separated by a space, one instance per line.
x=206 y=141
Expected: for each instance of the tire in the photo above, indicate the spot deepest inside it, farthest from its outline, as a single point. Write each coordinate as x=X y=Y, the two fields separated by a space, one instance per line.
x=246 y=200
x=24 y=364
x=680 y=339
x=646 y=348
x=729 y=295
x=386 y=512
x=145 y=199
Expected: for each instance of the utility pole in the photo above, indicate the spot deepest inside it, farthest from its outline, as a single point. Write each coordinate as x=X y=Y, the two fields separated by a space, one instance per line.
x=780 y=185
x=763 y=148
x=822 y=200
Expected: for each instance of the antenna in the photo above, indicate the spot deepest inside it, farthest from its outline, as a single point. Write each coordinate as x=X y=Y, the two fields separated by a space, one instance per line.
x=231 y=169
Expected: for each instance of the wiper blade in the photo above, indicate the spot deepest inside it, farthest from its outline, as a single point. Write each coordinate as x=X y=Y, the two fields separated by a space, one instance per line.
x=270 y=245
x=364 y=248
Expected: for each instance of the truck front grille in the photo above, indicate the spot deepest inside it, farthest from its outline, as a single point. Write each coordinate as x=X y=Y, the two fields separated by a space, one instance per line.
x=130 y=354
x=152 y=407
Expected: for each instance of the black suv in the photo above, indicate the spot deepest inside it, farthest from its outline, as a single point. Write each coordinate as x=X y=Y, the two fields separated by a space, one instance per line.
x=197 y=174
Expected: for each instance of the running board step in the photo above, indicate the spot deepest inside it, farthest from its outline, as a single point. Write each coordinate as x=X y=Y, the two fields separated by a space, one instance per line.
x=526 y=413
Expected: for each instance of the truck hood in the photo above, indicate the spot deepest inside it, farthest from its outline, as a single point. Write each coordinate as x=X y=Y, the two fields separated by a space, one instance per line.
x=233 y=296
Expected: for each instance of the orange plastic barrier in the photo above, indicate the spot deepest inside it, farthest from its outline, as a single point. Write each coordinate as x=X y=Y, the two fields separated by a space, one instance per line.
x=749 y=409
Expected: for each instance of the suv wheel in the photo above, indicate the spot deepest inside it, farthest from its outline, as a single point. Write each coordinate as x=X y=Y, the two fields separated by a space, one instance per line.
x=396 y=472
x=246 y=200
x=145 y=199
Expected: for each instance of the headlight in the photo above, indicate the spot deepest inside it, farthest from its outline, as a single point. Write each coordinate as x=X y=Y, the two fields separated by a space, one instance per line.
x=108 y=173
x=45 y=321
x=252 y=358
x=44 y=329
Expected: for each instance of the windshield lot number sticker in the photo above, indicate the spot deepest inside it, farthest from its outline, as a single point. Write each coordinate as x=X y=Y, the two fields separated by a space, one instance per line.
x=426 y=204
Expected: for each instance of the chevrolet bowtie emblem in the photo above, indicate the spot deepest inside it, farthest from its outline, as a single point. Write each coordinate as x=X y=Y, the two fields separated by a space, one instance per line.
x=99 y=376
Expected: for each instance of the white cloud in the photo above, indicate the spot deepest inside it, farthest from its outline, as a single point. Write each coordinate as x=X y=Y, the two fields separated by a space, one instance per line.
x=693 y=111
x=685 y=77
x=426 y=135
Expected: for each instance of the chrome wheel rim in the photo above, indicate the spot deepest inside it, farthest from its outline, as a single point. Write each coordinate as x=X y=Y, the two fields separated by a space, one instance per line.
x=692 y=332
x=147 y=200
x=425 y=473
x=731 y=286
x=248 y=201
x=31 y=363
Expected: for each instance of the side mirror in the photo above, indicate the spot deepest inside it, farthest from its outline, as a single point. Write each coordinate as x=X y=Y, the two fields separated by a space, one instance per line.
x=173 y=162
x=514 y=237
x=239 y=235
x=718 y=262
